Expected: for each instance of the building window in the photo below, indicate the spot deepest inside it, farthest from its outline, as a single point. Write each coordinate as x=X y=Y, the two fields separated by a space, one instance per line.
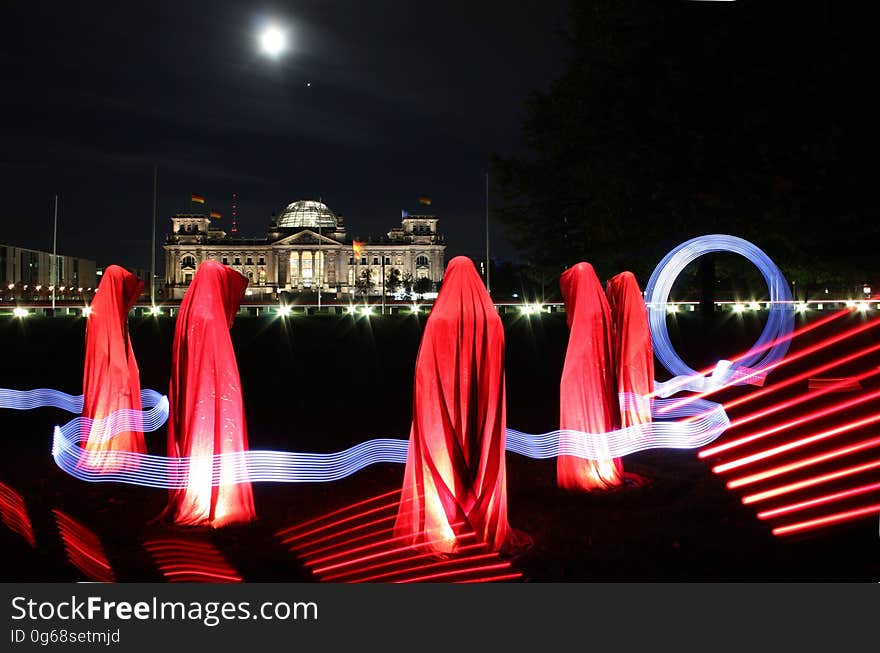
x=250 y=261
x=421 y=260
x=387 y=260
x=225 y=260
x=375 y=260
x=363 y=260
x=351 y=260
x=187 y=278
x=188 y=262
x=399 y=261
x=261 y=261
x=237 y=261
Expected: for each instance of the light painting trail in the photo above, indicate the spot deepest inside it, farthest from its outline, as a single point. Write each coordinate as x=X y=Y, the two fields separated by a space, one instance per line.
x=263 y=466
x=772 y=345
x=292 y=467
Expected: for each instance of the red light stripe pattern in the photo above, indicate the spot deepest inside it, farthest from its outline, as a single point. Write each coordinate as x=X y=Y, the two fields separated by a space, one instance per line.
x=191 y=560
x=812 y=469
x=13 y=513
x=356 y=544
x=84 y=550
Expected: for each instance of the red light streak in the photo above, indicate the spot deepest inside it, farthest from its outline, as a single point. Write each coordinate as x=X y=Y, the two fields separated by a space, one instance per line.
x=802 y=442
x=84 y=550
x=819 y=501
x=359 y=546
x=832 y=340
x=816 y=480
x=794 y=334
x=309 y=522
x=828 y=520
x=191 y=561
x=447 y=574
x=379 y=554
x=14 y=514
x=731 y=444
x=806 y=462
x=354 y=575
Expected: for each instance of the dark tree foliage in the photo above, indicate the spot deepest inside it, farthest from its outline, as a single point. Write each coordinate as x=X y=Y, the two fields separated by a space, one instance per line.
x=676 y=119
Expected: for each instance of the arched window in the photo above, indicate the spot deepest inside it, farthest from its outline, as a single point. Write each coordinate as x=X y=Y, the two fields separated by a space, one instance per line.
x=421 y=260
x=188 y=261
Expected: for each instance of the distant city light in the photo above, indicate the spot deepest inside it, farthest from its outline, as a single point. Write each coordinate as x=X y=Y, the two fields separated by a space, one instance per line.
x=367 y=310
x=801 y=307
x=79 y=290
x=154 y=310
x=87 y=310
x=248 y=292
x=10 y=286
x=19 y=312
x=284 y=310
x=867 y=290
x=755 y=306
x=671 y=308
x=351 y=310
x=863 y=307
x=414 y=308
x=273 y=41
x=738 y=308
x=850 y=303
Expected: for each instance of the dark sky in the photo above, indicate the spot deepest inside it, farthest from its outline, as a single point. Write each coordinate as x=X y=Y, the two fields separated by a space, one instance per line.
x=406 y=98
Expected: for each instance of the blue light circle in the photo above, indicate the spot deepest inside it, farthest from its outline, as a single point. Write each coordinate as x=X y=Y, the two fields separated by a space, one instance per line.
x=780 y=322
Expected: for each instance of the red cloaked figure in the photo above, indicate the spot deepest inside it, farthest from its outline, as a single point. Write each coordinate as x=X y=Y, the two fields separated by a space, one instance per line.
x=633 y=353
x=206 y=407
x=111 y=380
x=455 y=478
x=588 y=391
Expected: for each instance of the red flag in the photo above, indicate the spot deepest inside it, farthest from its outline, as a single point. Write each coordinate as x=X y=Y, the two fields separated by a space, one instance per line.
x=357 y=247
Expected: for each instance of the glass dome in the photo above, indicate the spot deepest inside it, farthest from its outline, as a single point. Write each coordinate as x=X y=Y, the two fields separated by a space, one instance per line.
x=307 y=214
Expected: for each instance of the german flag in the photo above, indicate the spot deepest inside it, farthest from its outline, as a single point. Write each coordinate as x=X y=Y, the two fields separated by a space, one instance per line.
x=216 y=215
x=424 y=199
x=357 y=247
x=198 y=199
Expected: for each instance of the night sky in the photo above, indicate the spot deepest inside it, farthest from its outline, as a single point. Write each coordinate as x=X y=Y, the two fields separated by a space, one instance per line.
x=404 y=99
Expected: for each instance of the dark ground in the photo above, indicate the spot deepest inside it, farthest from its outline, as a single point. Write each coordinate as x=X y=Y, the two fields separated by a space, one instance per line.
x=323 y=383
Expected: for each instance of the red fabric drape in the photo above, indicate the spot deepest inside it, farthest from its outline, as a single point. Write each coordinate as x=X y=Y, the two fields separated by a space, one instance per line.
x=633 y=353
x=588 y=390
x=207 y=410
x=111 y=380
x=455 y=480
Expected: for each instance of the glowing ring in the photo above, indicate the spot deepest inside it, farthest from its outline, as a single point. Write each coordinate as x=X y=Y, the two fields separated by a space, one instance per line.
x=771 y=346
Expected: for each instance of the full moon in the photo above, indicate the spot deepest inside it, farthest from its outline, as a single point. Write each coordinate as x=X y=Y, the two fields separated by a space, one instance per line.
x=273 y=41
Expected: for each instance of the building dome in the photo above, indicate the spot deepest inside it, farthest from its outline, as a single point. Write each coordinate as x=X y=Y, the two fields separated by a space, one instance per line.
x=307 y=214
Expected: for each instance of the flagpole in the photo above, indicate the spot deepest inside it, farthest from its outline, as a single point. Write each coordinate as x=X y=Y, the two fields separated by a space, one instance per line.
x=383 y=282
x=321 y=269
x=488 y=285
x=153 y=240
x=54 y=267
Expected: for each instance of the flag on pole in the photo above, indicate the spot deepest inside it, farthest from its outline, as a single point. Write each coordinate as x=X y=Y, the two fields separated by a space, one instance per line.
x=424 y=199
x=214 y=214
x=357 y=247
x=198 y=199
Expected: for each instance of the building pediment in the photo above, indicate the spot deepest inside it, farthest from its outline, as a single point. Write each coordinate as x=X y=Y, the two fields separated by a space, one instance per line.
x=307 y=237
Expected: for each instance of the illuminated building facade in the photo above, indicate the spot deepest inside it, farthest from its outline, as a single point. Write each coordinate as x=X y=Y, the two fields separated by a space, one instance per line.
x=28 y=270
x=306 y=247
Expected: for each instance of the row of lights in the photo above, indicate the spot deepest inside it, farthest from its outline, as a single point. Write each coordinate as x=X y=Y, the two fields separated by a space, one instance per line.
x=39 y=287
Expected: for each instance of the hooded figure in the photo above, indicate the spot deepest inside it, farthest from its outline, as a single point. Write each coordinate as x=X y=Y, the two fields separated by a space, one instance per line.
x=588 y=391
x=633 y=353
x=455 y=479
x=111 y=380
x=206 y=408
